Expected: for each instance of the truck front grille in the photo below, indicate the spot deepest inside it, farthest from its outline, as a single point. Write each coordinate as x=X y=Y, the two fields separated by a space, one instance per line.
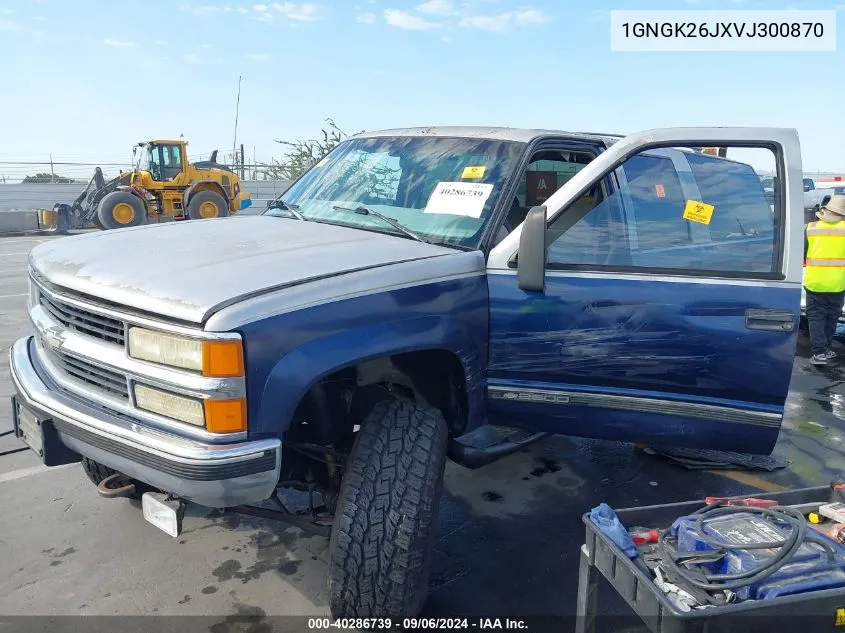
x=111 y=382
x=85 y=321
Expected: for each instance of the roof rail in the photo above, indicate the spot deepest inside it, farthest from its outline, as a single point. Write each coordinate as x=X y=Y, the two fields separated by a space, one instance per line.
x=604 y=134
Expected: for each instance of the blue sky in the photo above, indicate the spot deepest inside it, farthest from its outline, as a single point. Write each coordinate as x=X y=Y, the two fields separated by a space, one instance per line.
x=85 y=80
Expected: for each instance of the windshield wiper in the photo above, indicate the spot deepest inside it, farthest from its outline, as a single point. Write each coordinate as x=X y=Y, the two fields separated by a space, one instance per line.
x=287 y=206
x=362 y=210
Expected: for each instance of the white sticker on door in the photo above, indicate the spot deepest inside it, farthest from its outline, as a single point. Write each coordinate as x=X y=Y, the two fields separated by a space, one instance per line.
x=459 y=198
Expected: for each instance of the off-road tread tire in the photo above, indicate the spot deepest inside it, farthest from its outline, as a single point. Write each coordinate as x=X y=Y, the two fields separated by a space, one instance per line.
x=207 y=196
x=104 y=210
x=97 y=472
x=386 y=517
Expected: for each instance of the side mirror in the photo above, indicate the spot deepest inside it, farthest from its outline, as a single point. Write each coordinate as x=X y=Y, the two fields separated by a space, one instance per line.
x=531 y=262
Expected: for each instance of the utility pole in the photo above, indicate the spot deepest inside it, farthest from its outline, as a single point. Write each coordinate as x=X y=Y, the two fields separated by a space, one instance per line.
x=237 y=112
x=52 y=173
x=242 y=162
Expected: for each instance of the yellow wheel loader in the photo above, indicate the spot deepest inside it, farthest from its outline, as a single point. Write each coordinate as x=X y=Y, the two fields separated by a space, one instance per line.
x=163 y=183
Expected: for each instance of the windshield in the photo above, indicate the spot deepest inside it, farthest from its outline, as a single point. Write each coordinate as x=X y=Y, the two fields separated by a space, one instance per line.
x=143 y=160
x=443 y=189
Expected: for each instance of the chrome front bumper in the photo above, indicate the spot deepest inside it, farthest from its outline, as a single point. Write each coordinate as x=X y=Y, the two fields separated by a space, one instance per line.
x=214 y=475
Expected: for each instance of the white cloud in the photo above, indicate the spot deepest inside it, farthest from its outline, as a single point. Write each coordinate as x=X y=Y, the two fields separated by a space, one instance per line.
x=118 y=43
x=40 y=18
x=357 y=7
x=206 y=10
x=8 y=25
x=443 y=8
x=366 y=18
x=191 y=58
x=257 y=57
x=8 y=11
x=529 y=16
x=307 y=12
x=241 y=10
x=404 y=20
x=839 y=7
x=501 y=21
x=160 y=43
x=205 y=45
x=446 y=39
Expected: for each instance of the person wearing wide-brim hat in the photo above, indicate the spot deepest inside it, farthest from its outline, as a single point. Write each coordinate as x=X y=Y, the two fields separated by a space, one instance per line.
x=824 y=277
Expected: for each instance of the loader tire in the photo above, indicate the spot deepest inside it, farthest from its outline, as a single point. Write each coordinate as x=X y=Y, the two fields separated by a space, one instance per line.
x=205 y=205
x=120 y=209
x=386 y=515
x=97 y=472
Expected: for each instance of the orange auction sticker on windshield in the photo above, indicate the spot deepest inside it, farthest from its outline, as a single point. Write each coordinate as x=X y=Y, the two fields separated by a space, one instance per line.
x=700 y=212
x=660 y=191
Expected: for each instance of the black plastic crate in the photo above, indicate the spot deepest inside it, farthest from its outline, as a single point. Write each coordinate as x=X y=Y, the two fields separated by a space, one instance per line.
x=818 y=611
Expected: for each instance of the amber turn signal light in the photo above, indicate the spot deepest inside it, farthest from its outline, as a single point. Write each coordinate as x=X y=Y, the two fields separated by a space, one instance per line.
x=222 y=359
x=225 y=416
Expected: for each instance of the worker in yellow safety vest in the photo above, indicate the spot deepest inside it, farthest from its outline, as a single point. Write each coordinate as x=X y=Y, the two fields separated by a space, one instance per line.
x=824 y=277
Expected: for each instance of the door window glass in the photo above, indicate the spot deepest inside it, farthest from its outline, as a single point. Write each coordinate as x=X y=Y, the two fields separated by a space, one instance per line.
x=676 y=210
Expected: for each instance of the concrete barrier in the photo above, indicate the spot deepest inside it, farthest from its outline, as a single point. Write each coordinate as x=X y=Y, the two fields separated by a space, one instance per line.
x=18 y=221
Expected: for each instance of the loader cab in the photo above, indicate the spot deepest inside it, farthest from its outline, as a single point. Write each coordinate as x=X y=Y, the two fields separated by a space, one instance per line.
x=163 y=160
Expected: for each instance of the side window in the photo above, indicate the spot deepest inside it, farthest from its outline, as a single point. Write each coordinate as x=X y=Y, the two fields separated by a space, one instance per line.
x=547 y=172
x=657 y=202
x=172 y=156
x=675 y=209
x=809 y=185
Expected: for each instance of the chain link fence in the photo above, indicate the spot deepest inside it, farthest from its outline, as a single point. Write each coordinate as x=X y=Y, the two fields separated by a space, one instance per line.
x=70 y=172
x=29 y=185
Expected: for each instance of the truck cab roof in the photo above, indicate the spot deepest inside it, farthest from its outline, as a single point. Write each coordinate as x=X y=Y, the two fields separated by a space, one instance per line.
x=522 y=135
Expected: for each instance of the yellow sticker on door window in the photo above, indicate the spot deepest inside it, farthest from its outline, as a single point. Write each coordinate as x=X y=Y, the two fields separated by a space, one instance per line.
x=473 y=171
x=700 y=212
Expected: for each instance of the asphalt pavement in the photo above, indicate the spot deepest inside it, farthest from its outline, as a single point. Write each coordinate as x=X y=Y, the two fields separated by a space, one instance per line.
x=507 y=545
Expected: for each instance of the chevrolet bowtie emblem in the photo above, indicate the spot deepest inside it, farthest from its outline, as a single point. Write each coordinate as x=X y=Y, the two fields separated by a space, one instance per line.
x=52 y=338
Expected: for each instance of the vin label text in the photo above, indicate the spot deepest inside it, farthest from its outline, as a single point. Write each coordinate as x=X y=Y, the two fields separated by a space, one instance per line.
x=725 y=31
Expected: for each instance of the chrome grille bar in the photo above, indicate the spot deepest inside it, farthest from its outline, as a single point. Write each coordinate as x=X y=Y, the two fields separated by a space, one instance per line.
x=85 y=322
x=96 y=376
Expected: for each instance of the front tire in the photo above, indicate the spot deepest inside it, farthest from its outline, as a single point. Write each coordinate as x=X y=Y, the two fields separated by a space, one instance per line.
x=386 y=516
x=121 y=209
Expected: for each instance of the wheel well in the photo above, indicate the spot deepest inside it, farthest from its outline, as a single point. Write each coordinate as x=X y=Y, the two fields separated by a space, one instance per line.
x=329 y=414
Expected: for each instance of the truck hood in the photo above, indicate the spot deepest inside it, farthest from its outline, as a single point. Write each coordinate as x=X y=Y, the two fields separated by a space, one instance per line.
x=189 y=270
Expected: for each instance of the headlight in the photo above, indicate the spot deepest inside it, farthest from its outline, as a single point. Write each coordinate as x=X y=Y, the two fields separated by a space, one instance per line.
x=219 y=359
x=217 y=416
x=170 y=405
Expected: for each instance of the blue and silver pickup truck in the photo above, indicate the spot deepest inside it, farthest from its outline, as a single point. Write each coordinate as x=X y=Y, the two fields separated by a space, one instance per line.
x=417 y=295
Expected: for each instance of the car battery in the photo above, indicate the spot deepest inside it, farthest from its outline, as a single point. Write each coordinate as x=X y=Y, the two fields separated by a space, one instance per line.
x=811 y=568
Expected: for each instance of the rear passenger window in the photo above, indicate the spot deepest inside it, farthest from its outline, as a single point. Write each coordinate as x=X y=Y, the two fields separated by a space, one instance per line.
x=676 y=210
